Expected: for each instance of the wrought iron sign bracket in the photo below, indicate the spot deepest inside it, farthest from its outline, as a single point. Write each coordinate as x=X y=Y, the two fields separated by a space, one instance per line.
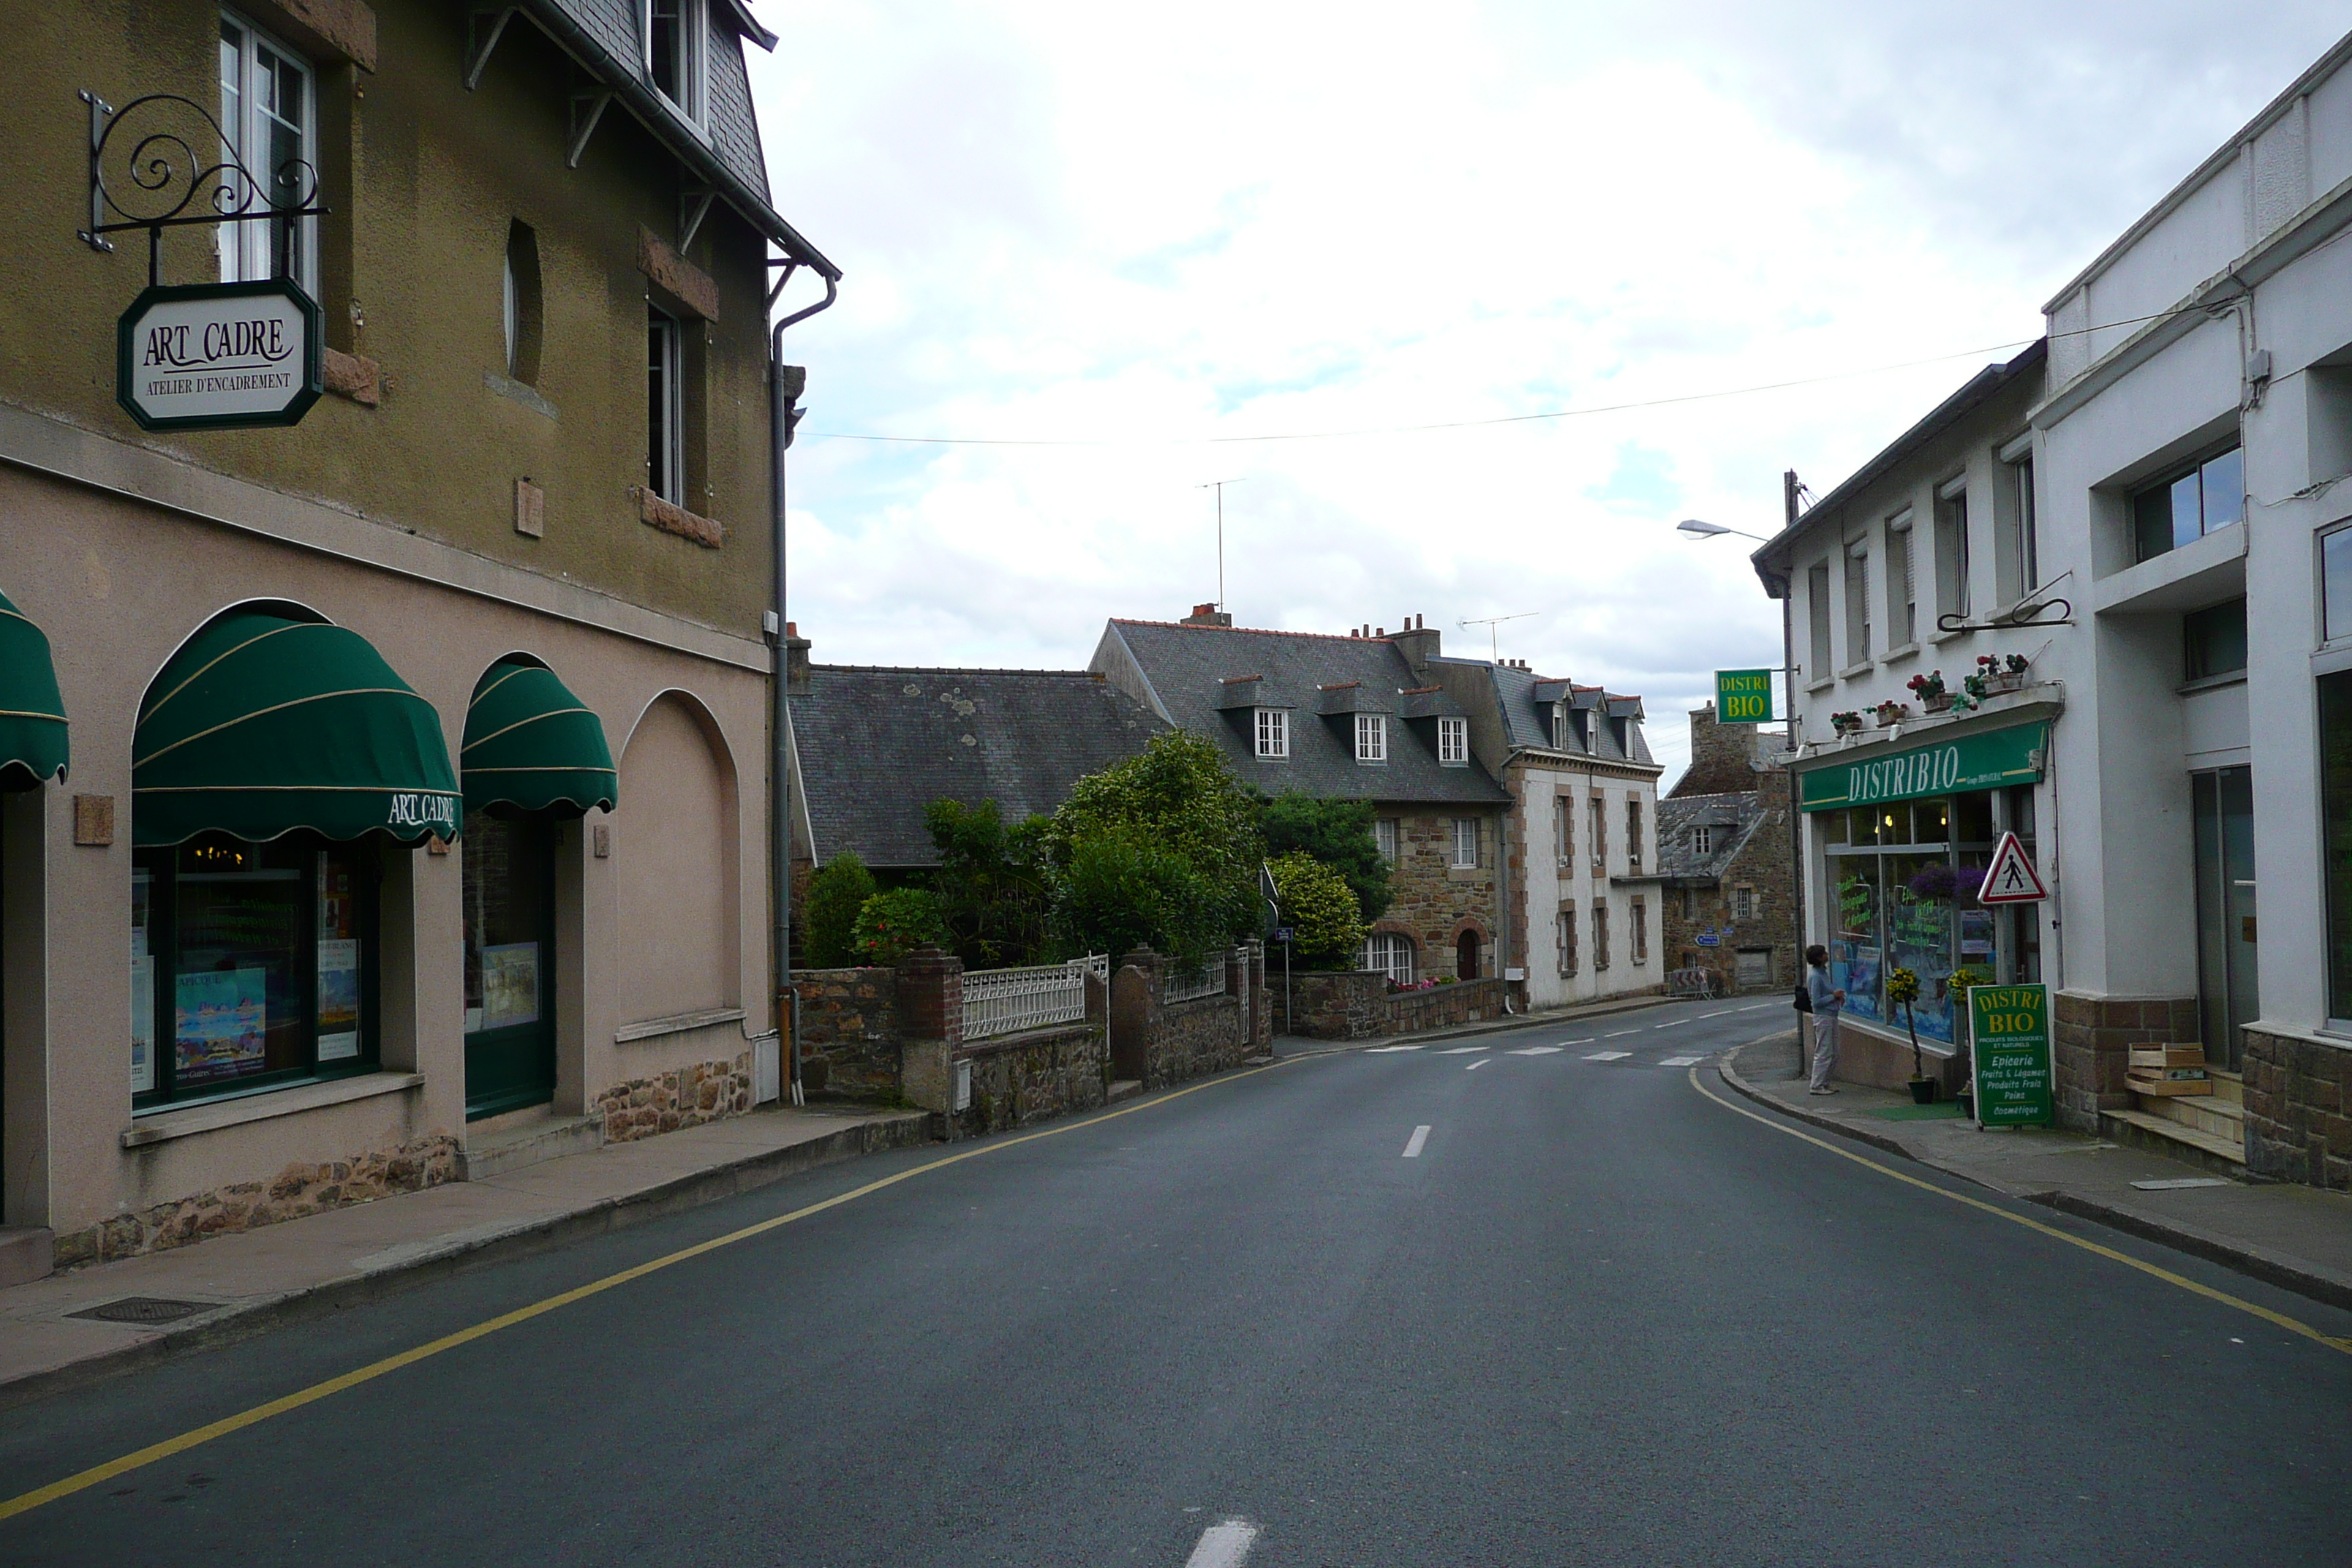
x=170 y=186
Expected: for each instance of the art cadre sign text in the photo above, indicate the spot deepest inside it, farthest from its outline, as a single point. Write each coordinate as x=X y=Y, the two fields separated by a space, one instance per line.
x=212 y=356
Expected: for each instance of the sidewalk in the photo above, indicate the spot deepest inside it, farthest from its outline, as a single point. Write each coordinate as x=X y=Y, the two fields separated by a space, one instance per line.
x=1297 y=1045
x=243 y=1282
x=2298 y=1239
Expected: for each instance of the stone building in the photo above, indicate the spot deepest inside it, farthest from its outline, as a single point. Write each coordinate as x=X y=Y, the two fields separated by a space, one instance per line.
x=414 y=743
x=1724 y=857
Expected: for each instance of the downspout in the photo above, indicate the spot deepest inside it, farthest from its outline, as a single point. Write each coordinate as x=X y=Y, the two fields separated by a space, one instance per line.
x=785 y=384
x=1503 y=892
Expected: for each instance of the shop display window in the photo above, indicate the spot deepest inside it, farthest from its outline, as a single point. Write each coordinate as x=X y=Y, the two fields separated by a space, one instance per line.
x=252 y=965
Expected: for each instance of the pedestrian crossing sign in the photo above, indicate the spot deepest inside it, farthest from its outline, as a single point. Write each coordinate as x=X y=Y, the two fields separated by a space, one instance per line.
x=2011 y=878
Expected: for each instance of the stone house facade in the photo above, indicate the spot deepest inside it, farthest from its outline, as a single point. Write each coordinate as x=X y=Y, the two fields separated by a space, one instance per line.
x=1724 y=859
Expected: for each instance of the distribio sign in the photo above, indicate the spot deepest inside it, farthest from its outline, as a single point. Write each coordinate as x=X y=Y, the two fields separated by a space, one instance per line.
x=1743 y=696
x=2009 y=1047
x=1986 y=760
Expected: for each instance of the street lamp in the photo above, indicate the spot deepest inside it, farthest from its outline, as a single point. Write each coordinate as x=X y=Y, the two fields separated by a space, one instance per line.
x=1698 y=530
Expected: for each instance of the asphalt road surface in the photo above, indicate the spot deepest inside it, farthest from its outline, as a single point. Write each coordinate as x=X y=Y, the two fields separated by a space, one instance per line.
x=1589 y=1315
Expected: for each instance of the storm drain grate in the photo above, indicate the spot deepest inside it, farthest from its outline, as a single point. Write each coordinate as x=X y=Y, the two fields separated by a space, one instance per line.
x=142 y=1309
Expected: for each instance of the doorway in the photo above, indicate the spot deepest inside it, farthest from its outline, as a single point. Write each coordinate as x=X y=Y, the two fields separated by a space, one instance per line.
x=1466 y=955
x=2227 y=982
x=510 y=898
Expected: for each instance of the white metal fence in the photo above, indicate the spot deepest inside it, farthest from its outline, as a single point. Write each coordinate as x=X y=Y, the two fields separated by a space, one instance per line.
x=1007 y=1001
x=1206 y=978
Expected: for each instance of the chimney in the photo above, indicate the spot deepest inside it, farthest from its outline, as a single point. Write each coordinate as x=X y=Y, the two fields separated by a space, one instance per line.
x=796 y=661
x=1418 y=646
x=1208 y=616
x=1725 y=758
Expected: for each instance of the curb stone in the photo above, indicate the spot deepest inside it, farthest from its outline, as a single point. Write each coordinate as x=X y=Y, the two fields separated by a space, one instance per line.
x=2242 y=1257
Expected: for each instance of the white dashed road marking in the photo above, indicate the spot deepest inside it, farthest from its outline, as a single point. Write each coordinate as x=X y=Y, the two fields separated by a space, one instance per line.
x=1616 y=1033
x=1671 y=1023
x=1412 y=1144
x=1383 y=1050
x=1682 y=1061
x=1608 y=1055
x=1726 y=1013
x=1460 y=1051
x=1586 y=1041
x=1226 y=1545
x=1533 y=1051
x=1481 y=1062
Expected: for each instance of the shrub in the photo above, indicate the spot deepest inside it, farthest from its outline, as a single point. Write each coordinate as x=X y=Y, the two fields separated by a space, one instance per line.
x=1121 y=892
x=1336 y=832
x=836 y=895
x=1320 y=910
x=893 y=925
x=992 y=882
x=1169 y=830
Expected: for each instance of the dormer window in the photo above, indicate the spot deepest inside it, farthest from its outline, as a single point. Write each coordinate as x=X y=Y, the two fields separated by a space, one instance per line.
x=1273 y=733
x=1372 y=738
x=1454 y=742
x=1702 y=840
x=674 y=31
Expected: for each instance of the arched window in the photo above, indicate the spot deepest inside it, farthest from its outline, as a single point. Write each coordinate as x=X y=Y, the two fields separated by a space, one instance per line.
x=1390 y=955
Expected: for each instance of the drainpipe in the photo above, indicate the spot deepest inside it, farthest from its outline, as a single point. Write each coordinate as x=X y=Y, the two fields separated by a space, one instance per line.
x=785 y=384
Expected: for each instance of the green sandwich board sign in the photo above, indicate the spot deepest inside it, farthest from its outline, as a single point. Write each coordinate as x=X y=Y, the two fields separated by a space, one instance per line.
x=2009 y=1046
x=1743 y=697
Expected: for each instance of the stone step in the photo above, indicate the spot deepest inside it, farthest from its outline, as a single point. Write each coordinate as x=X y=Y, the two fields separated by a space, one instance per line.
x=25 y=1254
x=1123 y=1089
x=2158 y=1131
x=2227 y=1086
x=2210 y=1114
x=510 y=1148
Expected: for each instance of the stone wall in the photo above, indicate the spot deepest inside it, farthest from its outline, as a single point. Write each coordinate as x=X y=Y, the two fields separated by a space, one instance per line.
x=1432 y=902
x=1357 y=1005
x=682 y=1097
x=2090 y=1046
x=1167 y=1043
x=1034 y=1077
x=1761 y=864
x=296 y=1191
x=849 y=1033
x=2298 y=1110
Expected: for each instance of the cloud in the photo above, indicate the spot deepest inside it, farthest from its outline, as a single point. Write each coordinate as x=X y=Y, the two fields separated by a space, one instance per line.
x=1149 y=230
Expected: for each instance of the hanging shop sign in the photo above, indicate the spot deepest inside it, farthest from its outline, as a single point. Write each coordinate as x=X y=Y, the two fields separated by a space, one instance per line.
x=2012 y=878
x=2008 y=1050
x=1743 y=697
x=1988 y=759
x=214 y=356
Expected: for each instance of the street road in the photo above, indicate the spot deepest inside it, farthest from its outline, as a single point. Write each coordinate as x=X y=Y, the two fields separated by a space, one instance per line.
x=1458 y=1305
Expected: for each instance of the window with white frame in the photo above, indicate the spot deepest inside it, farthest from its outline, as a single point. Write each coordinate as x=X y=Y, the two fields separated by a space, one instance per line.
x=1384 y=832
x=1465 y=843
x=1454 y=742
x=1273 y=733
x=1599 y=835
x=675 y=59
x=1372 y=738
x=1563 y=818
x=1633 y=834
x=1703 y=839
x=1599 y=937
x=1902 y=584
x=664 y=438
x=1640 y=923
x=1817 y=612
x=1566 y=938
x=1857 y=604
x=1386 y=952
x=266 y=112
x=1743 y=903
x=1952 y=549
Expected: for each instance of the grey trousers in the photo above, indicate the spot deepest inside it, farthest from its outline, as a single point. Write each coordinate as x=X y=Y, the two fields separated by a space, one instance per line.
x=1825 y=1043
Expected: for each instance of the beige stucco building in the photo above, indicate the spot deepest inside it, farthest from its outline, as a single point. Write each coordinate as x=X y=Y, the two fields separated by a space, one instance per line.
x=539 y=479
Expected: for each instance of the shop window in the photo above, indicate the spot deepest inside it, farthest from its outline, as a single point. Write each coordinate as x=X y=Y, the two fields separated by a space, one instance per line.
x=2228 y=977
x=2189 y=504
x=1388 y=954
x=2336 y=815
x=252 y=965
x=665 y=409
x=2336 y=584
x=268 y=116
x=508 y=875
x=523 y=302
x=2215 y=640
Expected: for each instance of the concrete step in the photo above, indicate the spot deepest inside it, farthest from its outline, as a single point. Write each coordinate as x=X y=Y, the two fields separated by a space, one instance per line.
x=511 y=1147
x=25 y=1254
x=2227 y=1086
x=2164 y=1135
x=2209 y=1114
x=1124 y=1089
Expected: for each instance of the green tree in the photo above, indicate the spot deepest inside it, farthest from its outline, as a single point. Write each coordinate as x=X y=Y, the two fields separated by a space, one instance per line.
x=1336 y=832
x=836 y=895
x=893 y=925
x=1320 y=907
x=992 y=882
x=1170 y=830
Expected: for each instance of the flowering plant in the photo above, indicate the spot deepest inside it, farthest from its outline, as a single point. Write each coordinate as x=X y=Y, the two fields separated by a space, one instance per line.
x=1929 y=685
x=1842 y=722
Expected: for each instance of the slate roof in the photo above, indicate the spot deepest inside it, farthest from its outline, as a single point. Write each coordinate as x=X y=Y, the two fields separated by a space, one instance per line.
x=1526 y=700
x=602 y=35
x=1734 y=819
x=876 y=746
x=1323 y=682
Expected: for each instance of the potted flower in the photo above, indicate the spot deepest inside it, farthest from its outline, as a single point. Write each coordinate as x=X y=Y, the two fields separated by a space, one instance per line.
x=1846 y=723
x=1902 y=985
x=1956 y=986
x=1890 y=713
x=1929 y=689
x=2001 y=672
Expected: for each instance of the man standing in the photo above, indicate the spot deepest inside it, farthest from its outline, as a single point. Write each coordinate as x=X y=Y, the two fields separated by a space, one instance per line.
x=1829 y=1002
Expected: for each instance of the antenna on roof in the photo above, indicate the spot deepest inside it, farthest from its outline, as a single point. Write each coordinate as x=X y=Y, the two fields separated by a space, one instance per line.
x=1219 y=486
x=1494 y=642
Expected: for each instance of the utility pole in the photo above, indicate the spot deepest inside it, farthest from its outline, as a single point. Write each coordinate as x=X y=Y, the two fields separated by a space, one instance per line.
x=1792 y=492
x=1219 y=486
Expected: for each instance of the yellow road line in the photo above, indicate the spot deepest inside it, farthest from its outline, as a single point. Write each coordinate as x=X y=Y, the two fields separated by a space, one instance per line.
x=2291 y=1324
x=92 y=1477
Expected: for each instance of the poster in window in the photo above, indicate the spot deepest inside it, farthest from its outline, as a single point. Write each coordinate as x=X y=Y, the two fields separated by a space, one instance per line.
x=143 y=1025
x=221 y=1026
x=509 y=984
x=338 y=999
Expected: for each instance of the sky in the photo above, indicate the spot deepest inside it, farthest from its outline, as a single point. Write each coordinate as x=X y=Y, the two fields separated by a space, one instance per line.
x=1121 y=253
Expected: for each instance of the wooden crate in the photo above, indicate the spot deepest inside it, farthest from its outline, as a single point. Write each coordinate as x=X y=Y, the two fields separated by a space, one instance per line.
x=2156 y=1058
x=2138 y=1085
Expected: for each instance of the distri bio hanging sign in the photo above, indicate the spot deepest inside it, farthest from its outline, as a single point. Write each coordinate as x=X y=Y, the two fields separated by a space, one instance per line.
x=211 y=356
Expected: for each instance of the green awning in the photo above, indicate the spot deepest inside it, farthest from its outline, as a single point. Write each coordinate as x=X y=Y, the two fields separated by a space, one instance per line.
x=530 y=745
x=33 y=747
x=263 y=724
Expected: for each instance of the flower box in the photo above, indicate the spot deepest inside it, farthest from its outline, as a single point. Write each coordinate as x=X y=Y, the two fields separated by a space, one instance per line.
x=1936 y=701
x=1997 y=681
x=1889 y=714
